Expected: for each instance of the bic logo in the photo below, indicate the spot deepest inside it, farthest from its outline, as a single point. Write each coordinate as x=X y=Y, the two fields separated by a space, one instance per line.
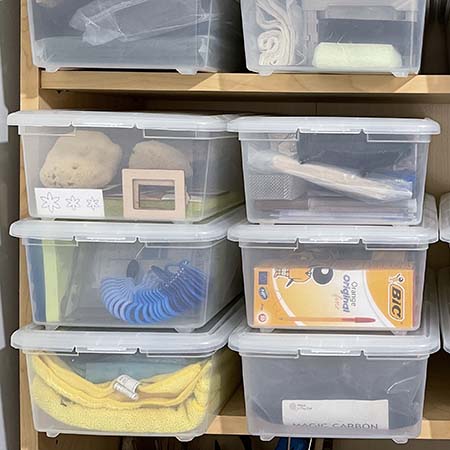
x=397 y=298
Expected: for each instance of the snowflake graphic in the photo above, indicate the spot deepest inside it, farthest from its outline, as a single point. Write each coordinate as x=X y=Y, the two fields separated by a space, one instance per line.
x=93 y=203
x=73 y=203
x=50 y=202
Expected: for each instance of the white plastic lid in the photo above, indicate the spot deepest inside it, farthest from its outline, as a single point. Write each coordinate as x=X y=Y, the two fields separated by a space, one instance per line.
x=288 y=343
x=423 y=234
x=399 y=5
x=444 y=218
x=210 y=338
x=444 y=303
x=335 y=125
x=142 y=121
x=208 y=231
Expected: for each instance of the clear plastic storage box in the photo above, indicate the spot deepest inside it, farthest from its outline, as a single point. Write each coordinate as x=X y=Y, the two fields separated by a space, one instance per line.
x=380 y=36
x=185 y=35
x=444 y=218
x=335 y=277
x=334 y=170
x=444 y=303
x=130 y=383
x=130 y=275
x=129 y=166
x=336 y=385
x=444 y=274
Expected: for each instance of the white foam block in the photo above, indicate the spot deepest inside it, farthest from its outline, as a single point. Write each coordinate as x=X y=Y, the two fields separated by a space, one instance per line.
x=334 y=56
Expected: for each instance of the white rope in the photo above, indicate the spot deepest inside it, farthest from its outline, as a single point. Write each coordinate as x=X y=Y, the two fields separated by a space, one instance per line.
x=278 y=42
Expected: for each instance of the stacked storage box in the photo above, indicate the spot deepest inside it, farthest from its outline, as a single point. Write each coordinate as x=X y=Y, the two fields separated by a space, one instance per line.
x=129 y=166
x=187 y=36
x=115 y=274
x=347 y=385
x=334 y=268
x=130 y=383
x=381 y=36
x=334 y=170
x=173 y=184
x=337 y=276
x=444 y=274
x=444 y=218
x=444 y=307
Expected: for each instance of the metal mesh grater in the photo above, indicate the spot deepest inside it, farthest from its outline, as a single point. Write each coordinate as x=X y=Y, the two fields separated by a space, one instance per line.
x=274 y=187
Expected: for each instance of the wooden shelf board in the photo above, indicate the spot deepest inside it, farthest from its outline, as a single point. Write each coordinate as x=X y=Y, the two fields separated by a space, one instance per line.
x=237 y=83
x=436 y=423
x=232 y=419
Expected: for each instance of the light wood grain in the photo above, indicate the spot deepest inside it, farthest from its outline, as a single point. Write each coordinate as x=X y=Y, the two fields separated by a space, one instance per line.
x=232 y=418
x=236 y=83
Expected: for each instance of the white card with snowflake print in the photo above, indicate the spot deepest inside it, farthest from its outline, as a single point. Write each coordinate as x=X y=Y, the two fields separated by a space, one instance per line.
x=70 y=203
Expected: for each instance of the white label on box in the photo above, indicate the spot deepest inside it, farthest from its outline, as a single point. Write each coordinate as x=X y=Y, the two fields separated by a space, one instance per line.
x=337 y=414
x=77 y=203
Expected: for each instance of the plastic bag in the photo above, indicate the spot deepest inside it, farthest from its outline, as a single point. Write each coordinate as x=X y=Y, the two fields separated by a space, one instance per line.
x=349 y=182
x=103 y=21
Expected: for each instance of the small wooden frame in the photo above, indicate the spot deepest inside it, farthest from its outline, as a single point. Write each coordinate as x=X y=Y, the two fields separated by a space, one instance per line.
x=134 y=179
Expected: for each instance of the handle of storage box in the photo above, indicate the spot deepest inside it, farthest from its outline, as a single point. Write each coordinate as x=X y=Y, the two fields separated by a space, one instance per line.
x=399 y=247
x=69 y=131
x=197 y=135
x=398 y=139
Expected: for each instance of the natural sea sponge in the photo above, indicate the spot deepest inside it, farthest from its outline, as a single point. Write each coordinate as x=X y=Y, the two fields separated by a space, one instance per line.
x=157 y=155
x=87 y=160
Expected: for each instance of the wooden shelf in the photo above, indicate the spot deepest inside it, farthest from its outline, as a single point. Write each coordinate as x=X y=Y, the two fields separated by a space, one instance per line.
x=436 y=423
x=437 y=86
x=232 y=419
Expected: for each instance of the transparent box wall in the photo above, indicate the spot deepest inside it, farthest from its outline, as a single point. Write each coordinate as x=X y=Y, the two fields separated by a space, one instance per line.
x=268 y=381
x=308 y=265
x=378 y=36
x=79 y=393
x=334 y=178
x=185 y=35
x=130 y=285
x=130 y=173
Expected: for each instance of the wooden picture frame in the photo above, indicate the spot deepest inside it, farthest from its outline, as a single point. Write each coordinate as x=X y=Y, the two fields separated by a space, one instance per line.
x=134 y=179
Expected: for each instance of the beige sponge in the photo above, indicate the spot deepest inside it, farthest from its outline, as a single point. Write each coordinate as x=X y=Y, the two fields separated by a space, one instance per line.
x=157 y=155
x=339 y=56
x=87 y=160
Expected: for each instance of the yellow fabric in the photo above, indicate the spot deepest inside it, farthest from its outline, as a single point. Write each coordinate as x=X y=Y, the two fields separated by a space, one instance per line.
x=168 y=404
x=176 y=386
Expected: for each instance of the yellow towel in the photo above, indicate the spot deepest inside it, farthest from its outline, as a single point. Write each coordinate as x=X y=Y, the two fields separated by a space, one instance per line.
x=173 y=403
